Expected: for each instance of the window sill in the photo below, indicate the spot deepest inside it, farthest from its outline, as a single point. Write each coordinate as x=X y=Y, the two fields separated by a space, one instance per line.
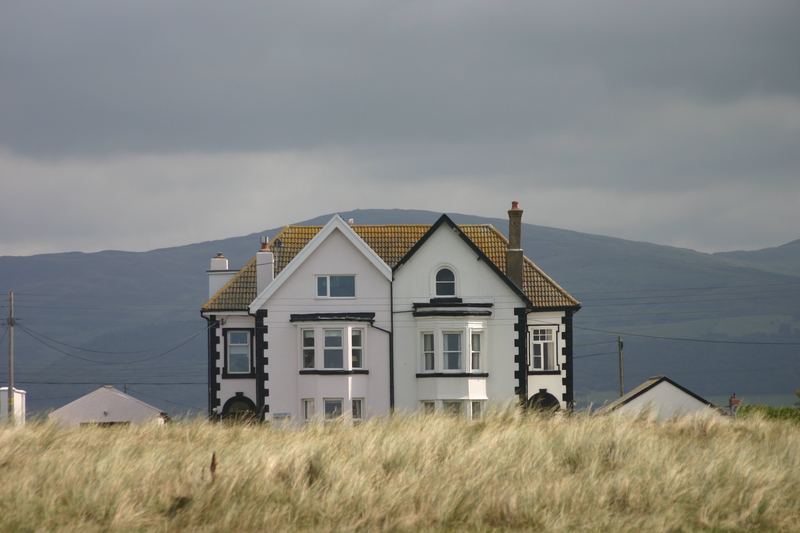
x=555 y=372
x=453 y=375
x=332 y=372
x=249 y=375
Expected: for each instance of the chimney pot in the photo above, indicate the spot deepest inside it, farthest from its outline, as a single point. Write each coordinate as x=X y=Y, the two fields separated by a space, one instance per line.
x=351 y=221
x=514 y=204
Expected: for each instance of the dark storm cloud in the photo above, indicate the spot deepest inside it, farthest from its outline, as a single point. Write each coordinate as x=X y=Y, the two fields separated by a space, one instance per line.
x=684 y=115
x=98 y=77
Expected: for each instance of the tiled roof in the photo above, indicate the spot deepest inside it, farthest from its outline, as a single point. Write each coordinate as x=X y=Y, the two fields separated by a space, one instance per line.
x=391 y=243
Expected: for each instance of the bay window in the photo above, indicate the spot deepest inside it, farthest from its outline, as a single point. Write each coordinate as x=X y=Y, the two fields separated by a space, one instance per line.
x=308 y=348
x=238 y=352
x=356 y=348
x=543 y=349
x=358 y=409
x=308 y=409
x=451 y=351
x=428 y=353
x=333 y=354
x=475 y=351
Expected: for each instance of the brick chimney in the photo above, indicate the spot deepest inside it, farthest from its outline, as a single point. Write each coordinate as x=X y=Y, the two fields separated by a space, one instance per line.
x=265 y=266
x=514 y=253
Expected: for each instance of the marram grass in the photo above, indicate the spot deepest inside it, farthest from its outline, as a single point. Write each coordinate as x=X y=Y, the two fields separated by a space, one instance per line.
x=509 y=471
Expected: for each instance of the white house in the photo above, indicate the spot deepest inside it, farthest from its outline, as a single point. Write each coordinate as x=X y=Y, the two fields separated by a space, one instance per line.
x=661 y=399
x=363 y=320
x=107 y=406
x=19 y=405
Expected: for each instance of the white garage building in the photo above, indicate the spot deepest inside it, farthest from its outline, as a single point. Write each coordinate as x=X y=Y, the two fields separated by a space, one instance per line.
x=662 y=398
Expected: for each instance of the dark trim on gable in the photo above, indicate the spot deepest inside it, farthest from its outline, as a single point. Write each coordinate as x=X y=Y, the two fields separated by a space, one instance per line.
x=442 y=300
x=521 y=357
x=569 y=379
x=453 y=312
x=453 y=375
x=340 y=317
x=556 y=372
x=444 y=219
x=333 y=372
x=212 y=366
x=262 y=378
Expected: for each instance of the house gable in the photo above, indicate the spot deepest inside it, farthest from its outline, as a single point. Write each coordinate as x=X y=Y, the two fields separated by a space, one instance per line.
x=335 y=224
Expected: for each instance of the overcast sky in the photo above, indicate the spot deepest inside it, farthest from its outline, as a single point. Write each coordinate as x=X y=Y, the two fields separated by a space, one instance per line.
x=142 y=124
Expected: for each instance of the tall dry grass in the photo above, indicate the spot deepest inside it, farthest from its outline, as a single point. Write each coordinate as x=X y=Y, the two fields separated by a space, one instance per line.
x=406 y=473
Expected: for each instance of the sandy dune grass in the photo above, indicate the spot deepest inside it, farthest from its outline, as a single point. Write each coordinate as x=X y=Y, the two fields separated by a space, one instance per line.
x=408 y=473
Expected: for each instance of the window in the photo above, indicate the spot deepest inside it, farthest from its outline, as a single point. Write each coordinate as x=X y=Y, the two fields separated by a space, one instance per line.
x=358 y=409
x=475 y=351
x=336 y=286
x=452 y=407
x=543 y=349
x=308 y=348
x=357 y=348
x=239 y=352
x=452 y=350
x=427 y=352
x=333 y=408
x=308 y=409
x=334 y=352
x=476 y=410
x=428 y=407
x=445 y=282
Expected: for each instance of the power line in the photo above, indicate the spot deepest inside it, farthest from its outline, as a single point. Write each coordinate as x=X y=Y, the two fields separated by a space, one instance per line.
x=592 y=344
x=689 y=339
x=113 y=381
x=34 y=336
x=85 y=349
x=593 y=355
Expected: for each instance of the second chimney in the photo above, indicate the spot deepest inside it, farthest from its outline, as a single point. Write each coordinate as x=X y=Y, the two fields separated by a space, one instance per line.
x=265 y=266
x=514 y=261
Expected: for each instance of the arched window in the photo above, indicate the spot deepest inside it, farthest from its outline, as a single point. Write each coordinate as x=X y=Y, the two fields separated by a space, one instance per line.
x=445 y=282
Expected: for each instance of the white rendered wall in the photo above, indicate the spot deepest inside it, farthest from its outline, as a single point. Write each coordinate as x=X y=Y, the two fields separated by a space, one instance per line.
x=664 y=402
x=551 y=382
x=287 y=387
x=19 y=405
x=476 y=282
x=230 y=386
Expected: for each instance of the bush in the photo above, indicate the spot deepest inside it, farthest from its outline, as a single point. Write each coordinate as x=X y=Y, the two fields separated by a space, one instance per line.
x=774 y=413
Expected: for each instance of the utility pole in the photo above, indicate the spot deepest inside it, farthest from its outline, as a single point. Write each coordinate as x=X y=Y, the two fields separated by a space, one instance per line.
x=621 y=367
x=11 y=357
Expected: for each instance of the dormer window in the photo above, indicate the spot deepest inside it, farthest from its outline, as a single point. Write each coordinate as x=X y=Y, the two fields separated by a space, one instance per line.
x=330 y=286
x=445 y=282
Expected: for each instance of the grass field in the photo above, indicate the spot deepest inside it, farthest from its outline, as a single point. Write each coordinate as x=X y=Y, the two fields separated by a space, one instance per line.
x=407 y=473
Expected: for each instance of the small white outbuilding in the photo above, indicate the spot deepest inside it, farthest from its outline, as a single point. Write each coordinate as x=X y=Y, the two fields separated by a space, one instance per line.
x=662 y=399
x=107 y=406
x=19 y=405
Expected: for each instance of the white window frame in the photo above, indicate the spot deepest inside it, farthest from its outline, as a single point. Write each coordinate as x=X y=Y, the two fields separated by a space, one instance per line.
x=481 y=411
x=249 y=345
x=423 y=352
x=343 y=347
x=325 y=410
x=307 y=409
x=481 y=352
x=461 y=334
x=327 y=295
x=460 y=403
x=436 y=282
x=303 y=349
x=553 y=331
x=361 y=410
x=362 y=347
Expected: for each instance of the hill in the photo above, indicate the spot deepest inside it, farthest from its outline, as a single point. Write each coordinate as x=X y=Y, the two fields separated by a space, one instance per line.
x=146 y=304
x=784 y=259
